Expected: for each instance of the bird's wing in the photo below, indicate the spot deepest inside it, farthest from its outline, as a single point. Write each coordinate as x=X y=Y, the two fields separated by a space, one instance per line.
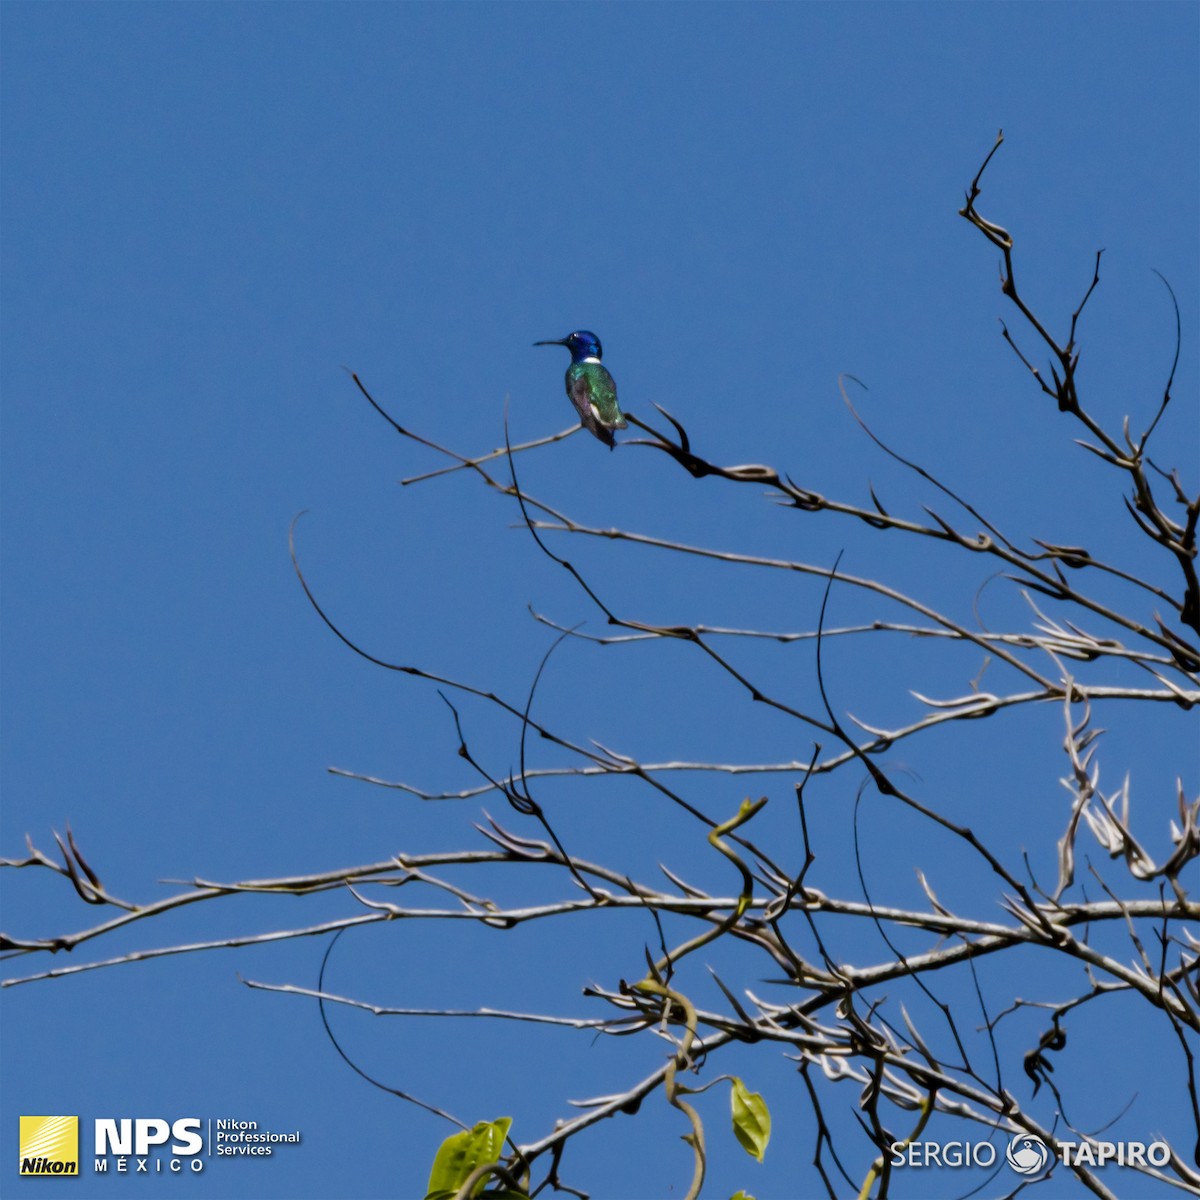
x=581 y=391
x=597 y=390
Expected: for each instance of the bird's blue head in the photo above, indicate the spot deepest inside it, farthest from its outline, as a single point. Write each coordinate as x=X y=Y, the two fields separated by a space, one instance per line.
x=581 y=344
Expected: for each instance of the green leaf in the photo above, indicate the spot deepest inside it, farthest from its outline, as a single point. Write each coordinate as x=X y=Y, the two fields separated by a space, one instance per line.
x=741 y=1194
x=461 y=1153
x=751 y=1120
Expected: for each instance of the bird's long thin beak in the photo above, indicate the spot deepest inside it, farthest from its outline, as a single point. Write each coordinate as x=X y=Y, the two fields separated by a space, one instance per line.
x=560 y=342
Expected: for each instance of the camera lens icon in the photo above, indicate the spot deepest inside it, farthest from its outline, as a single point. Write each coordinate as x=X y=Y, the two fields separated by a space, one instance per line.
x=1027 y=1154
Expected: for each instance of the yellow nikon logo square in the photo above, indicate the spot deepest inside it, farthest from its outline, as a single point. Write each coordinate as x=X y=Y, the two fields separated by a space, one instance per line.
x=49 y=1145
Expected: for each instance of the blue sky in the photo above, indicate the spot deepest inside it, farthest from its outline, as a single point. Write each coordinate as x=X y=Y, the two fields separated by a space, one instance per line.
x=210 y=210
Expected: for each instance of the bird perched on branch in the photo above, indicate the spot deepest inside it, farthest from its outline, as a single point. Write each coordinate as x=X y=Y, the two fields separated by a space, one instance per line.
x=591 y=388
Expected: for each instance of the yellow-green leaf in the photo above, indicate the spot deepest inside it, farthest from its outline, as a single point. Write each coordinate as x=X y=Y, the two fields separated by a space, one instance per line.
x=751 y=1120
x=461 y=1153
x=741 y=1194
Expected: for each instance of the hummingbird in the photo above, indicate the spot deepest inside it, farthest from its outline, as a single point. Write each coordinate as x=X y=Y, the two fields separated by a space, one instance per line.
x=591 y=388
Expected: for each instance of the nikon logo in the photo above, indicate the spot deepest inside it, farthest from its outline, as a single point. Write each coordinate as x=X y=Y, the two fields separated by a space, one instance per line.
x=49 y=1146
